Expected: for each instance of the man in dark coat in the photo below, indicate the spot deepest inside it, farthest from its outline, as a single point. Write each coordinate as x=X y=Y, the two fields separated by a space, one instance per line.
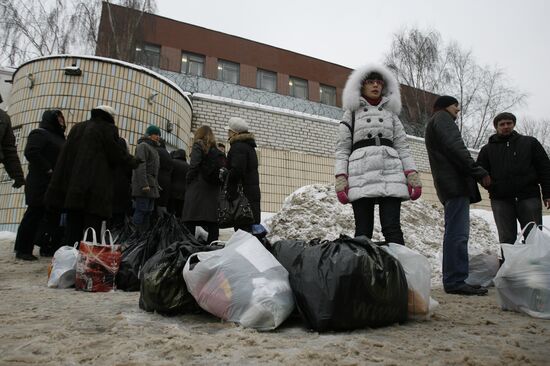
x=145 y=186
x=122 y=195
x=242 y=163
x=164 y=178
x=519 y=169
x=43 y=147
x=82 y=181
x=455 y=174
x=8 y=150
x=179 y=174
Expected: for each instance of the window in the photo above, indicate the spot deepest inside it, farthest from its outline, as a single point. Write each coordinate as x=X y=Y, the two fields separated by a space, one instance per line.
x=328 y=95
x=228 y=72
x=192 y=64
x=149 y=55
x=266 y=80
x=298 y=88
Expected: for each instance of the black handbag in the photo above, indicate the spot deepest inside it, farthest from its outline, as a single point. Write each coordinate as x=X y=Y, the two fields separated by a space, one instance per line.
x=236 y=212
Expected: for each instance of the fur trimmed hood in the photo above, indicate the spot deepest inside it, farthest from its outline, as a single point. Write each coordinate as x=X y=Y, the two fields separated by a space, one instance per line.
x=391 y=96
x=245 y=137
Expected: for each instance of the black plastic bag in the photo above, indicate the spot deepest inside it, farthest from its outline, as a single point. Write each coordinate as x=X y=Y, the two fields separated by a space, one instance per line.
x=163 y=233
x=162 y=286
x=344 y=284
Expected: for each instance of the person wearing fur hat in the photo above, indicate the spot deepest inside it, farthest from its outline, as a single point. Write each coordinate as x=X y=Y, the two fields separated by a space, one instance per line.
x=520 y=171
x=242 y=165
x=82 y=181
x=374 y=164
x=455 y=174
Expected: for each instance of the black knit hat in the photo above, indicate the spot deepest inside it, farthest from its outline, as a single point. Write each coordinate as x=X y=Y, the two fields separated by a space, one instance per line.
x=443 y=102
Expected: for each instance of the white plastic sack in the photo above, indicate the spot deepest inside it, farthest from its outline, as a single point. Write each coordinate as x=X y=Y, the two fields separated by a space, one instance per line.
x=523 y=281
x=63 y=268
x=242 y=283
x=418 y=273
x=482 y=269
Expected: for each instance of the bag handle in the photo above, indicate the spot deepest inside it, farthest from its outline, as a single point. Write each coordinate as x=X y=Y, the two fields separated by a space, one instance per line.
x=111 y=242
x=94 y=236
x=520 y=235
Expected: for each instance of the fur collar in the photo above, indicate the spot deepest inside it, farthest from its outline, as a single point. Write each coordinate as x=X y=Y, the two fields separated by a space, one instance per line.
x=351 y=96
x=244 y=136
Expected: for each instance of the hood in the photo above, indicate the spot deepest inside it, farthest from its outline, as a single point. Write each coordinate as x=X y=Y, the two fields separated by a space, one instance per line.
x=391 y=95
x=100 y=114
x=148 y=141
x=179 y=154
x=49 y=122
x=246 y=137
x=497 y=139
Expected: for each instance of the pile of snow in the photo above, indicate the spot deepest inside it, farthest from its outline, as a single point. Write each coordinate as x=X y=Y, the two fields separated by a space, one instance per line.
x=313 y=212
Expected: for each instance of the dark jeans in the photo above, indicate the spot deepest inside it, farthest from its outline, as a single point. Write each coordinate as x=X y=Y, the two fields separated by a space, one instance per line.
x=390 y=218
x=143 y=208
x=77 y=222
x=507 y=212
x=28 y=229
x=455 y=242
x=211 y=227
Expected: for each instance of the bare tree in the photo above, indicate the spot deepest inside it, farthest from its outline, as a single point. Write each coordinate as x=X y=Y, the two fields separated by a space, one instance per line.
x=32 y=28
x=420 y=60
x=536 y=128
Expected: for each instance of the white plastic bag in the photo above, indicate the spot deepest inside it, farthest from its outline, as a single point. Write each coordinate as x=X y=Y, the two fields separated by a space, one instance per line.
x=482 y=269
x=242 y=283
x=63 y=268
x=418 y=273
x=523 y=280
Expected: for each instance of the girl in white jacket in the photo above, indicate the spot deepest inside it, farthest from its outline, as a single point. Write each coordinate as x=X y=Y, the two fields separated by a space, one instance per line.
x=374 y=164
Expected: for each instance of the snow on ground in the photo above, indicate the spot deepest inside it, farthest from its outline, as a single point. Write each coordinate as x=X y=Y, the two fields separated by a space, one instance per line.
x=314 y=212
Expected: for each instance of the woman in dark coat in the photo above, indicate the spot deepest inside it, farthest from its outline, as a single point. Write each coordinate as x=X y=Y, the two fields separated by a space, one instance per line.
x=242 y=163
x=122 y=191
x=82 y=182
x=202 y=194
x=179 y=174
x=43 y=147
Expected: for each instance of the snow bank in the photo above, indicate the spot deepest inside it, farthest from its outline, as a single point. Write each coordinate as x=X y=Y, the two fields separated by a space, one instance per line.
x=314 y=212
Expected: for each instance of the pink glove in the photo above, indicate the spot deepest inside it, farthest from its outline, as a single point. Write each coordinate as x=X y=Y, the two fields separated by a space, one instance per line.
x=414 y=184
x=341 y=186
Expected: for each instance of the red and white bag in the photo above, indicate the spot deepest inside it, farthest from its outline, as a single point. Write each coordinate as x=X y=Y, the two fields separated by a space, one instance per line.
x=97 y=264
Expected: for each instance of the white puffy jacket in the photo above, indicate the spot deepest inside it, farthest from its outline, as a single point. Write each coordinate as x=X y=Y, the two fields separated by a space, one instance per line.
x=373 y=171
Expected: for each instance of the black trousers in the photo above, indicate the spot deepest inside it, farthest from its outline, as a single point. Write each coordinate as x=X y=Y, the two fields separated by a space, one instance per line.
x=77 y=222
x=390 y=218
x=28 y=230
x=507 y=212
x=211 y=227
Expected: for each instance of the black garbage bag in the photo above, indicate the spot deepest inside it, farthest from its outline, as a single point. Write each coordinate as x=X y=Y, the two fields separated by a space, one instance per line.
x=344 y=284
x=165 y=231
x=162 y=286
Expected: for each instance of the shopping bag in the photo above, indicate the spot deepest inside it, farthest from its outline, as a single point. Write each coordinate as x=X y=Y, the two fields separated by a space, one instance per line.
x=523 y=280
x=418 y=273
x=242 y=283
x=62 y=272
x=97 y=264
x=482 y=269
x=234 y=212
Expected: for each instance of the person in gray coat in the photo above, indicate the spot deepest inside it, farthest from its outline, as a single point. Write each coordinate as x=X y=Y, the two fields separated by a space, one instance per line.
x=145 y=187
x=373 y=162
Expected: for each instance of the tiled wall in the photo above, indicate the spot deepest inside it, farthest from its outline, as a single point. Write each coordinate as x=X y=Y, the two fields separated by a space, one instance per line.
x=42 y=84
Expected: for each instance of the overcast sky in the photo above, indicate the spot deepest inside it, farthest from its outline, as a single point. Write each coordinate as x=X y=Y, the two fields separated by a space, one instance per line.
x=515 y=35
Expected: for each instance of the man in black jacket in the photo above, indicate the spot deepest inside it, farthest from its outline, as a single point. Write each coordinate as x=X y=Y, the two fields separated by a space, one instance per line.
x=519 y=169
x=455 y=174
x=43 y=147
x=8 y=150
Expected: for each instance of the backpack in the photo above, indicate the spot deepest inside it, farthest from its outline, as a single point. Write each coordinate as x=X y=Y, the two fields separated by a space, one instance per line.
x=212 y=162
